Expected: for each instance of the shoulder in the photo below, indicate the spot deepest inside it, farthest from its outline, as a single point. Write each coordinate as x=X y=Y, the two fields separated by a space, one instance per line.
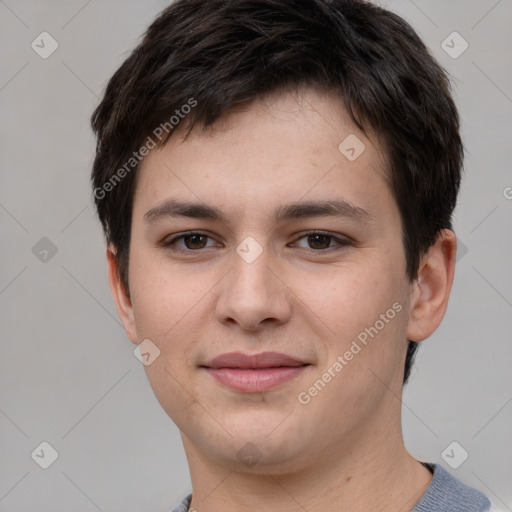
x=444 y=494
x=448 y=494
x=183 y=505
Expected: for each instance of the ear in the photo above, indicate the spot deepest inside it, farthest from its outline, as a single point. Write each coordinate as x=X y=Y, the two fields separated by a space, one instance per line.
x=432 y=287
x=121 y=296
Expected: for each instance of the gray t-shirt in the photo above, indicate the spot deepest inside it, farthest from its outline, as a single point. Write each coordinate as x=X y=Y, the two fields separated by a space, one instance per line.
x=444 y=494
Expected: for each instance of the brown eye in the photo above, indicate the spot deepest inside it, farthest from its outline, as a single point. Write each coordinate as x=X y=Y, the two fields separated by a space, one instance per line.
x=319 y=241
x=195 y=241
x=188 y=242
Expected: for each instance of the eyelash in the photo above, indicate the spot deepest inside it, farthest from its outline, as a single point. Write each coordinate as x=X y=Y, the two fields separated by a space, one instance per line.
x=171 y=244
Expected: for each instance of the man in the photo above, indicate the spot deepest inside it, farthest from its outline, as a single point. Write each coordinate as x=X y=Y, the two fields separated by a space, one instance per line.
x=276 y=181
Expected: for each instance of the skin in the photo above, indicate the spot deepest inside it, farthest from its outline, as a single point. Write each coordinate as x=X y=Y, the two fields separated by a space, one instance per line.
x=344 y=450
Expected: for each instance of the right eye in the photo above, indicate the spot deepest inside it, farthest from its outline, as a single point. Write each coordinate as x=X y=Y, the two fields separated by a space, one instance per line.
x=193 y=241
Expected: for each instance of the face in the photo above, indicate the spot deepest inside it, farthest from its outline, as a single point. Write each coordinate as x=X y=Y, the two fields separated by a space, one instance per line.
x=293 y=255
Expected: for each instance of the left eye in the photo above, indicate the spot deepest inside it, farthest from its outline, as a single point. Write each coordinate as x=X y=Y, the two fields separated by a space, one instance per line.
x=318 y=240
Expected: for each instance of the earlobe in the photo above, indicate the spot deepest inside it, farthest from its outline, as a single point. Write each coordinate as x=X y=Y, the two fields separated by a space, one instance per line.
x=432 y=288
x=121 y=297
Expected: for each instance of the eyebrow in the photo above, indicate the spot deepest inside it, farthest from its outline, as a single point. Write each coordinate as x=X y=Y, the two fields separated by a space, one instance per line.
x=335 y=208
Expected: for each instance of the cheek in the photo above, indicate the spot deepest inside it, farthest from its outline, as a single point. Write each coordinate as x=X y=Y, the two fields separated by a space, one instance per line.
x=166 y=309
x=174 y=391
x=349 y=297
x=359 y=310
x=162 y=295
x=171 y=308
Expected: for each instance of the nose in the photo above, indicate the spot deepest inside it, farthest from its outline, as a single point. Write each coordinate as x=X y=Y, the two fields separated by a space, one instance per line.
x=254 y=295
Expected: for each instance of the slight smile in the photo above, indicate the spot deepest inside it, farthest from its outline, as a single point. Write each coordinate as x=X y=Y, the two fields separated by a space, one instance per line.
x=254 y=373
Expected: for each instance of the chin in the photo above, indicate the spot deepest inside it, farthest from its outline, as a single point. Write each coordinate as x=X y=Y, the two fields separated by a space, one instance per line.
x=261 y=446
x=259 y=456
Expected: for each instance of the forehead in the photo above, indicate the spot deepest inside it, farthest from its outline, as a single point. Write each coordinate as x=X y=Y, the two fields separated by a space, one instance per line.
x=262 y=154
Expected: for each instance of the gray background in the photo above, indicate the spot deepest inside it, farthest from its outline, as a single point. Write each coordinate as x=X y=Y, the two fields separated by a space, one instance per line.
x=68 y=375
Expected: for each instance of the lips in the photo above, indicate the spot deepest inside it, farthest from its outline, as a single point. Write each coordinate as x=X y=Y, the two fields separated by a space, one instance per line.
x=254 y=373
x=262 y=360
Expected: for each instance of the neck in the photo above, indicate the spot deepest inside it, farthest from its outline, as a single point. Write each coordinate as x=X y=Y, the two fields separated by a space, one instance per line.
x=372 y=471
